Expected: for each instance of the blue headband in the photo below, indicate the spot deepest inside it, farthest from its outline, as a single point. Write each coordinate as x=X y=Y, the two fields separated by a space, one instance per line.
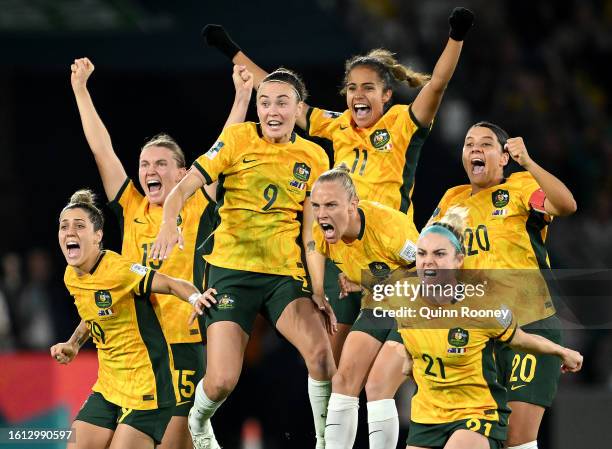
x=439 y=229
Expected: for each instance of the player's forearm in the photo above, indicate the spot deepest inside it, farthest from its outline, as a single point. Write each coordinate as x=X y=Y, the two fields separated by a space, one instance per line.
x=239 y=109
x=80 y=335
x=446 y=65
x=535 y=344
x=175 y=201
x=557 y=193
x=258 y=73
x=177 y=287
x=316 y=268
x=97 y=136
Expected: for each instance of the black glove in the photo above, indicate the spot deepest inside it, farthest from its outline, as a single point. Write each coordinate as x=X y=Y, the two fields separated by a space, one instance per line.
x=460 y=21
x=216 y=36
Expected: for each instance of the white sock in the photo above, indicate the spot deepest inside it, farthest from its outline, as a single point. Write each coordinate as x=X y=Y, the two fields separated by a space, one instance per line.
x=383 y=424
x=530 y=445
x=202 y=410
x=319 y=392
x=341 y=426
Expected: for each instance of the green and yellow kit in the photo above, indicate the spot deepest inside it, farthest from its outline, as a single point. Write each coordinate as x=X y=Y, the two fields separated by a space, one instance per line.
x=134 y=360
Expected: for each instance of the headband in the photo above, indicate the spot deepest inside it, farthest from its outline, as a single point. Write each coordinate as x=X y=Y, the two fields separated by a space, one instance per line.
x=299 y=97
x=439 y=229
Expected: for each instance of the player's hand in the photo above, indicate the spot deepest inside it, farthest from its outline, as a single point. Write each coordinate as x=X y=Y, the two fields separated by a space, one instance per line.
x=571 y=361
x=64 y=353
x=200 y=302
x=347 y=286
x=331 y=323
x=515 y=146
x=169 y=236
x=216 y=36
x=243 y=82
x=460 y=21
x=81 y=69
x=408 y=363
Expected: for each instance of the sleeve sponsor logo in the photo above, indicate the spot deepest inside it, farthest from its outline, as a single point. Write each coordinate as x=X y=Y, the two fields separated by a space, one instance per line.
x=408 y=252
x=139 y=269
x=214 y=150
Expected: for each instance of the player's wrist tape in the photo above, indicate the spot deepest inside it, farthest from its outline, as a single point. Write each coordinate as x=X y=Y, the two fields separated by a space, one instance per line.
x=193 y=298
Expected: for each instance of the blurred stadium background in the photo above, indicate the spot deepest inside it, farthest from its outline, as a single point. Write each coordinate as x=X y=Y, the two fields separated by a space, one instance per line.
x=538 y=68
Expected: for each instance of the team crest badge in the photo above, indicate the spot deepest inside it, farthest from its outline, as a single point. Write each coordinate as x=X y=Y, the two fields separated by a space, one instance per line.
x=103 y=299
x=381 y=139
x=458 y=337
x=179 y=220
x=379 y=269
x=301 y=171
x=500 y=198
x=225 y=302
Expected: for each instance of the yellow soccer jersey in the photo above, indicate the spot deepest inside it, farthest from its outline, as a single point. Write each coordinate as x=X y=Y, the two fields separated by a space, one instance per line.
x=506 y=230
x=263 y=187
x=382 y=159
x=386 y=241
x=140 y=222
x=503 y=228
x=134 y=360
x=454 y=369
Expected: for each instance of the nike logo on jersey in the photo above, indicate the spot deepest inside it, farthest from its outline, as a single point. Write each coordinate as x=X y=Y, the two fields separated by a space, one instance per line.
x=374 y=431
x=516 y=387
x=343 y=127
x=327 y=425
x=247 y=161
x=136 y=220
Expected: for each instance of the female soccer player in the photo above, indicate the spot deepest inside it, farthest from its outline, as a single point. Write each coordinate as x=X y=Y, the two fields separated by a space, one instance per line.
x=362 y=237
x=506 y=229
x=379 y=142
x=459 y=403
x=266 y=173
x=162 y=165
x=133 y=398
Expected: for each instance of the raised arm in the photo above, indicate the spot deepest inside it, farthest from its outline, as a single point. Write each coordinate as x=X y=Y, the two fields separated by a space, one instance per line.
x=559 y=199
x=110 y=167
x=169 y=233
x=316 y=269
x=65 y=352
x=216 y=36
x=572 y=360
x=427 y=102
x=243 y=85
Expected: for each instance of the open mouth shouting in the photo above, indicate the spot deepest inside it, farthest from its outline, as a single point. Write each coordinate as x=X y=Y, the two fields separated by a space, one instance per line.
x=361 y=110
x=73 y=249
x=154 y=185
x=329 y=232
x=478 y=165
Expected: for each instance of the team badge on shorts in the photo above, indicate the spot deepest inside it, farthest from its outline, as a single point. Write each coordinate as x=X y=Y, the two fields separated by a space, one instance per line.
x=225 y=302
x=379 y=269
x=301 y=171
x=103 y=299
x=458 y=337
x=500 y=198
x=381 y=140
